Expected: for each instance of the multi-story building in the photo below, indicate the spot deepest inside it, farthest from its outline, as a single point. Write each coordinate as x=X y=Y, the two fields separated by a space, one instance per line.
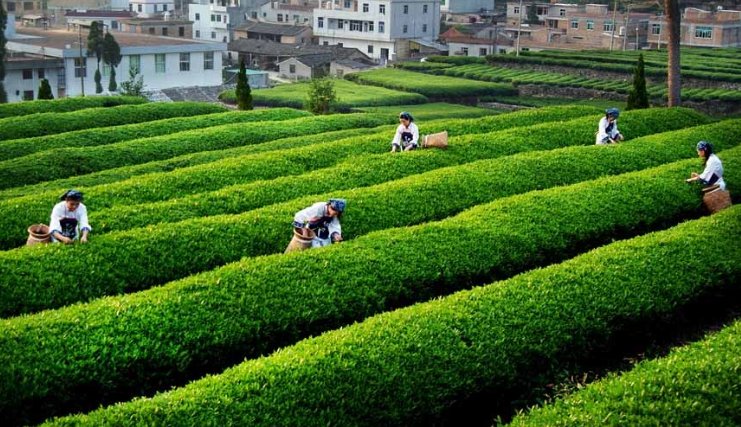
x=215 y=20
x=293 y=11
x=701 y=28
x=466 y=6
x=476 y=40
x=158 y=27
x=23 y=7
x=163 y=62
x=577 y=27
x=382 y=29
x=23 y=74
x=281 y=33
x=151 y=8
x=84 y=18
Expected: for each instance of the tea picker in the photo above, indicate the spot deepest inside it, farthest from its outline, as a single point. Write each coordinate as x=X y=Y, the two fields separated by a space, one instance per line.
x=69 y=216
x=715 y=196
x=407 y=136
x=608 y=132
x=318 y=225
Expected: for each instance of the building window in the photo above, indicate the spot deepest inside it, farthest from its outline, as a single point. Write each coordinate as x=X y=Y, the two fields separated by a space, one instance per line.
x=181 y=31
x=164 y=8
x=482 y=51
x=381 y=26
x=139 y=7
x=371 y=26
x=340 y=44
x=382 y=9
x=280 y=17
x=320 y=22
x=223 y=39
x=80 y=67
x=218 y=18
x=517 y=10
x=542 y=10
x=590 y=25
x=704 y=32
x=213 y=18
x=28 y=95
x=254 y=15
x=562 y=12
x=131 y=7
x=326 y=43
x=355 y=26
x=347 y=4
x=132 y=28
x=366 y=8
x=213 y=34
x=370 y=49
x=208 y=60
x=185 y=62
x=292 y=68
x=198 y=34
x=11 y=6
x=151 y=30
x=135 y=64
x=198 y=16
x=404 y=30
x=656 y=29
x=609 y=26
x=160 y=66
x=164 y=31
x=465 y=51
x=28 y=74
x=28 y=6
x=575 y=24
x=155 y=8
x=406 y=9
x=41 y=72
x=424 y=28
x=340 y=24
x=424 y=8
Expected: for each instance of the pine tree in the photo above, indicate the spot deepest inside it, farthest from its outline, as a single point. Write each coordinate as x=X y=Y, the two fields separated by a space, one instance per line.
x=98 y=86
x=244 y=93
x=3 y=41
x=95 y=42
x=638 y=96
x=45 y=90
x=112 y=57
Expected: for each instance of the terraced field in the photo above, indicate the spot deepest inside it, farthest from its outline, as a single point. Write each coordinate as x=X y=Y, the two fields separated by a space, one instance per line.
x=467 y=279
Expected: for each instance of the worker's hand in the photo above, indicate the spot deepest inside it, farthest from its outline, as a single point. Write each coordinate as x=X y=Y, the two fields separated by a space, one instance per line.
x=410 y=147
x=393 y=149
x=336 y=237
x=83 y=239
x=65 y=240
x=694 y=175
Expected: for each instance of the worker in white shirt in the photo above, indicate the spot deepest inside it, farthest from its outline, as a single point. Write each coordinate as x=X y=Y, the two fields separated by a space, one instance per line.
x=407 y=134
x=713 y=173
x=323 y=219
x=69 y=219
x=608 y=132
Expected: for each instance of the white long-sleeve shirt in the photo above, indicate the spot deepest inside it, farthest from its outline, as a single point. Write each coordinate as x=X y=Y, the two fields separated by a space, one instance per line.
x=602 y=132
x=68 y=222
x=317 y=216
x=412 y=129
x=713 y=167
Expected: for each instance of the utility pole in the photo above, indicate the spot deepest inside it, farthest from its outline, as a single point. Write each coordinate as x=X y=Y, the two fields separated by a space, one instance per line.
x=658 y=47
x=627 y=21
x=83 y=65
x=614 y=16
x=519 y=30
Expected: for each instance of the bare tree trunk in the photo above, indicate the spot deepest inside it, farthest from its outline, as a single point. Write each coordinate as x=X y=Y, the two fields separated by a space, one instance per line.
x=674 y=77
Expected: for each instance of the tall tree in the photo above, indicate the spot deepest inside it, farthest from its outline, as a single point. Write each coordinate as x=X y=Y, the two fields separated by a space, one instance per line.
x=638 y=96
x=45 y=90
x=95 y=41
x=244 y=93
x=532 y=14
x=3 y=22
x=112 y=57
x=322 y=97
x=674 y=77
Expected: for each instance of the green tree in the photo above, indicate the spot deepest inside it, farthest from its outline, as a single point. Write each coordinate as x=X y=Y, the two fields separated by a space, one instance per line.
x=244 y=93
x=322 y=97
x=95 y=42
x=45 y=90
x=98 y=86
x=638 y=96
x=112 y=57
x=134 y=86
x=532 y=14
x=3 y=41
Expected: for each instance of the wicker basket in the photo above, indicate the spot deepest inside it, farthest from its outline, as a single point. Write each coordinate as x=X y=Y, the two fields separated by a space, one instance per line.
x=38 y=234
x=302 y=238
x=436 y=140
x=715 y=199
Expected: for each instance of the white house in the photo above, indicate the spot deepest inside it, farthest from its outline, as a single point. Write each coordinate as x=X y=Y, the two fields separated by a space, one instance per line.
x=23 y=74
x=163 y=62
x=151 y=8
x=467 y=6
x=85 y=18
x=293 y=11
x=215 y=20
x=382 y=29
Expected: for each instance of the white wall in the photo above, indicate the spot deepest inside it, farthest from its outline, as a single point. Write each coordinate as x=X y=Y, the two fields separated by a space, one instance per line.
x=468 y=6
x=362 y=45
x=150 y=8
x=474 y=50
x=204 y=26
x=14 y=83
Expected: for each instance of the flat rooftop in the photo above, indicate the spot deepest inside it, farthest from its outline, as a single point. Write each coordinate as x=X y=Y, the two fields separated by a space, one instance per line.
x=58 y=38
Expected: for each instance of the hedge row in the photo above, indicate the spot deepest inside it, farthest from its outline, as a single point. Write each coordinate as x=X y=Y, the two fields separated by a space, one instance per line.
x=422 y=66
x=408 y=366
x=518 y=77
x=431 y=86
x=249 y=168
x=109 y=135
x=349 y=95
x=456 y=60
x=51 y=123
x=358 y=125
x=696 y=384
x=66 y=162
x=65 y=105
x=367 y=170
x=251 y=307
x=433 y=111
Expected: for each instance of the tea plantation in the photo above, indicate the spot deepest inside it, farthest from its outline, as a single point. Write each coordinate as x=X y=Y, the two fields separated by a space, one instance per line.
x=470 y=284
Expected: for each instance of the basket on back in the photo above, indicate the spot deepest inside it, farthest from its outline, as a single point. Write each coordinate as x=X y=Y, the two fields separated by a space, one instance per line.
x=436 y=140
x=302 y=238
x=715 y=199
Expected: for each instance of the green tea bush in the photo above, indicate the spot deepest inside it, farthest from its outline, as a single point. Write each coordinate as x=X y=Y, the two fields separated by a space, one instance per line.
x=65 y=105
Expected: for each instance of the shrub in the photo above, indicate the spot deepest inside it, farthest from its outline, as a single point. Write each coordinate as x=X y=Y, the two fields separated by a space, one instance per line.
x=192 y=116
x=260 y=304
x=638 y=96
x=50 y=123
x=433 y=111
x=321 y=98
x=65 y=105
x=45 y=90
